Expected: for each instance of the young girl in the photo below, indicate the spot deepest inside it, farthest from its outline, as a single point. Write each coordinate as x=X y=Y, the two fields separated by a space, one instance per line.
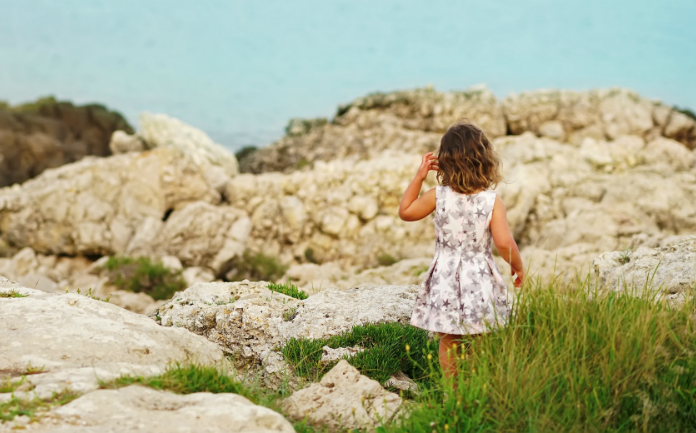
x=463 y=292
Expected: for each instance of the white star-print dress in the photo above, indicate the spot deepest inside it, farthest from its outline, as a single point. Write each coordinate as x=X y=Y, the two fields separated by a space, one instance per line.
x=463 y=291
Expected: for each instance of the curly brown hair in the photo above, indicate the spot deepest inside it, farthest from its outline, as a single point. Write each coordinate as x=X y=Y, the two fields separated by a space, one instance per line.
x=466 y=159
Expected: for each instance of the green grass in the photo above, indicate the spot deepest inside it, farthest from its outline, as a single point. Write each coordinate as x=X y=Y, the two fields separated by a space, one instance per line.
x=12 y=294
x=288 y=289
x=386 y=260
x=256 y=267
x=570 y=360
x=188 y=379
x=32 y=408
x=144 y=275
x=183 y=380
x=625 y=256
x=385 y=352
x=573 y=361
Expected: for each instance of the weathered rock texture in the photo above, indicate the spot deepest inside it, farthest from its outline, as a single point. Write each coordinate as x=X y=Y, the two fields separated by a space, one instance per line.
x=78 y=340
x=413 y=122
x=340 y=211
x=48 y=133
x=344 y=399
x=160 y=130
x=101 y=206
x=140 y=409
x=250 y=321
x=602 y=114
x=672 y=269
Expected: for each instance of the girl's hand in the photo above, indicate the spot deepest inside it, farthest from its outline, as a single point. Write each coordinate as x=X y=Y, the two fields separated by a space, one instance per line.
x=519 y=278
x=428 y=163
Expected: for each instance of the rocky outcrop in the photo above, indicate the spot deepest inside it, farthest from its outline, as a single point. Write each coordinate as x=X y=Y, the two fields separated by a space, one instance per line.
x=565 y=203
x=160 y=130
x=413 y=122
x=49 y=133
x=407 y=121
x=250 y=321
x=101 y=206
x=609 y=177
x=76 y=341
x=140 y=409
x=344 y=399
x=671 y=269
x=342 y=211
x=602 y=114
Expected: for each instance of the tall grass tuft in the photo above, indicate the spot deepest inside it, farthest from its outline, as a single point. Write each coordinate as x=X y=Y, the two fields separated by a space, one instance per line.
x=573 y=359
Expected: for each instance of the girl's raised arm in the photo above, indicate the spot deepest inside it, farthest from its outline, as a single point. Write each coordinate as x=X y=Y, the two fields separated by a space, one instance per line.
x=502 y=237
x=412 y=207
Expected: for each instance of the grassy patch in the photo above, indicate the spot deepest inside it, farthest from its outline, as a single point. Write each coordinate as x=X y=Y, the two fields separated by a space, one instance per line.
x=256 y=267
x=32 y=408
x=9 y=385
x=288 y=289
x=385 y=352
x=144 y=275
x=625 y=256
x=189 y=379
x=386 y=260
x=183 y=380
x=573 y=360
x=310 y=257
x=12 y=294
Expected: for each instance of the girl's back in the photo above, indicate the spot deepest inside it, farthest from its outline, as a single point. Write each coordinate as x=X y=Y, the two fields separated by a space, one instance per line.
x=462 y=289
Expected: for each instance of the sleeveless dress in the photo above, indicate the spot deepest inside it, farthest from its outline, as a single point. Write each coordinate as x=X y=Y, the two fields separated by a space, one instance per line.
x=463 y=291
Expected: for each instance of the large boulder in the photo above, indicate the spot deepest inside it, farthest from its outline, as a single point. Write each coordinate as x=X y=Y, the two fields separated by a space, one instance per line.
x=140 y=409
x=130 y=204
x=75 y=341
x=344 y=399
x=48 y=133
x=160 y=130
x=671 y=269
x=250 y=321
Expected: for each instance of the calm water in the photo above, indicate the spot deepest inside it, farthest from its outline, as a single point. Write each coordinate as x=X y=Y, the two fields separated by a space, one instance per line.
x=240 y=69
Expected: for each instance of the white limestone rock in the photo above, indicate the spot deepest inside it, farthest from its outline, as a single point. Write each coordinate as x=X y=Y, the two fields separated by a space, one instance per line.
x=139 y=409
x=250 y=321
x=329 y=355
x=78 y=341
x=160 y=130
x=101 y=205
x=410 y=121
x=122 y=142
x=344 y=399
x=671 y=269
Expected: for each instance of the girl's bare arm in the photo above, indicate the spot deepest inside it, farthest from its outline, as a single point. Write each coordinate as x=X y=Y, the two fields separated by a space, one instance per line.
x=502 y=237
x=412 y=207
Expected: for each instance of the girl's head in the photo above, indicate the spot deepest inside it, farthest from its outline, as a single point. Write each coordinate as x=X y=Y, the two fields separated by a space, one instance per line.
x=467 y=162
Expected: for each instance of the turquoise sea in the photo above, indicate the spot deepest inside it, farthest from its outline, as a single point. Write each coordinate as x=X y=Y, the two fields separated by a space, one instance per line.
x=239 y=69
